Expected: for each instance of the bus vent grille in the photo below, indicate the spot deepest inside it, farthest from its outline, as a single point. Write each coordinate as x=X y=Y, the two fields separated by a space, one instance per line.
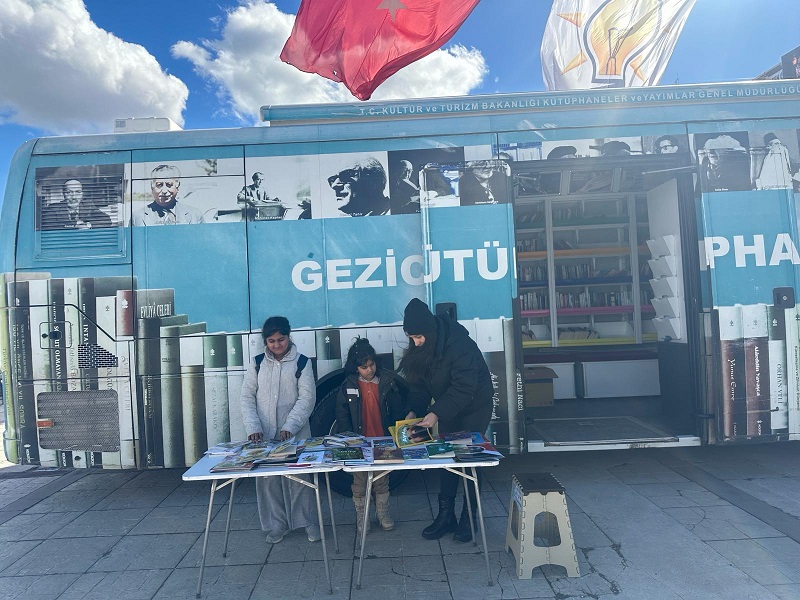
x=72 y=243
x=84 y=420
x=92 y=356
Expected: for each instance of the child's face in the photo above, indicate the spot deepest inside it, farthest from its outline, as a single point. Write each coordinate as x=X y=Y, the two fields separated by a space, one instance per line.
x=367 y=370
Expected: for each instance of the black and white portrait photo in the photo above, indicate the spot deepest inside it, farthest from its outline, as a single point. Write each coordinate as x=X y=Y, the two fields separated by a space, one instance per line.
x=724 y=161
x=404 y=174
x=484 y=182
x=357 y=185
x=774 y=158
x=85 y=197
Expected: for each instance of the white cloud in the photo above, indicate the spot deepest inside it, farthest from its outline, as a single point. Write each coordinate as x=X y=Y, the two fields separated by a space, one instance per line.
x=245 y=66
x=61 y=73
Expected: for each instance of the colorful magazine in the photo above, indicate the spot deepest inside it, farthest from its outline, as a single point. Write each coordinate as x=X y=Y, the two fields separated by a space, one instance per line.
x=408 y=433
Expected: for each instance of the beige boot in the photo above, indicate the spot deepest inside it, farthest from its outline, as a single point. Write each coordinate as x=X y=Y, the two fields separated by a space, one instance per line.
x=360 y=504
x=382 y=511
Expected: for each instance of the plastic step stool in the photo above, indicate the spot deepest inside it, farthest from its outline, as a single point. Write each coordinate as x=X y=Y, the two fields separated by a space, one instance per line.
x=539 y=531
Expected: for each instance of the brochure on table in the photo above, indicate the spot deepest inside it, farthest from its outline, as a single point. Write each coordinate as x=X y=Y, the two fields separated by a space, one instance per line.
x=349 y=449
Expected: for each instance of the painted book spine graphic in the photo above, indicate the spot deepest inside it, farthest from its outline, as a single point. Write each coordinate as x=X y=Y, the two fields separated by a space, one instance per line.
x=9 y=443
x=193 y=400
x=41 y=355
x=756 y=364
x=499 y=424
x=171 y=402
x=734 y=410
x=514 y=387
x=329 y=351
x=71 y=333
x=148 y=366
x=61 y=341
x=20 y=326
x=215 y=363
x=236 y=370
x=793 y=367
x=778 y=385
x=87 y=330
x=106 y=290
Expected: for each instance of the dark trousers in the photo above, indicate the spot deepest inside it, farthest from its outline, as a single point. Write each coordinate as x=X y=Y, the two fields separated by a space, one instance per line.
x=474 y=421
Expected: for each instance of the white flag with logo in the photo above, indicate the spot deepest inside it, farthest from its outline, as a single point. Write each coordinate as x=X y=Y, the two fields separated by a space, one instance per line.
x=610 y=43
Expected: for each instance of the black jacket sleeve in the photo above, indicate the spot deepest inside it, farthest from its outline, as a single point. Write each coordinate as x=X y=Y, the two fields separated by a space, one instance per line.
x=418 y=399
x=343 y=420
x=462 y=388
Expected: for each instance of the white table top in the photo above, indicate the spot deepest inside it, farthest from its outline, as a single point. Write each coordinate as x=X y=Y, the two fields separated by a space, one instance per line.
x=438 y=463
x=200 y=471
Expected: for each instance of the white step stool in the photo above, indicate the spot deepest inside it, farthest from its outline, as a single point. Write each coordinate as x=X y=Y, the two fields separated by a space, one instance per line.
x=546 y=540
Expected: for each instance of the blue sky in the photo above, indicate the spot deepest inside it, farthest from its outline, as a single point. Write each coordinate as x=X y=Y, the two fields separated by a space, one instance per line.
x=211 y=64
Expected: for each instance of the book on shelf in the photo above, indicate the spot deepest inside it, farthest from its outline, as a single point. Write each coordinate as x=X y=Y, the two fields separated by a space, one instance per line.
x=755 y=332
x=40 y=357
x=734 y=411
x=408 y=433
x=236 y=370
x=386 y=455
x=19 y=326
x=133 y=304
x=193 y=402
x=778 y=384
x=172 y=328
x=114 y=369
x=215 y=382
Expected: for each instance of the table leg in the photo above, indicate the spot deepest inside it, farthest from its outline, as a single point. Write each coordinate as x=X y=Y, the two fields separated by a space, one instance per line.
x=469 y=511
x=483 y=529
x=322 y=532
x=205 y=537
x=364 y=528
x=330 y=508
x=228 y=522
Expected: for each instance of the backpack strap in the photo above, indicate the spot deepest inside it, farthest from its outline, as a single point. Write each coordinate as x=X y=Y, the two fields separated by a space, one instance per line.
x=302 y=359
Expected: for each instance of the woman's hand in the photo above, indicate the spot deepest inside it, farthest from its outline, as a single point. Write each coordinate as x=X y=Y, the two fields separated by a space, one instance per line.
x=284 y=435
x=428 y=421
x=256 y=437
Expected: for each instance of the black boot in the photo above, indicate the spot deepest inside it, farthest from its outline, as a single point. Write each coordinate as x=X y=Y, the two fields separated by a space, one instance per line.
x=445 y=521
x=463 y=532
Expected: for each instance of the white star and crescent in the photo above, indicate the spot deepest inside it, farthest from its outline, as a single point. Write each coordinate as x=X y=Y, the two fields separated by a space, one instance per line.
x=392 y=6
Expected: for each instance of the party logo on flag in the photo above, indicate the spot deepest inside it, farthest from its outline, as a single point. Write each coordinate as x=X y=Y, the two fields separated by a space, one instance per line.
x=610 y=43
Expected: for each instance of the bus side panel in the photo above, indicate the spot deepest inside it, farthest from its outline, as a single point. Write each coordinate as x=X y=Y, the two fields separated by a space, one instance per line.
x=750 y=245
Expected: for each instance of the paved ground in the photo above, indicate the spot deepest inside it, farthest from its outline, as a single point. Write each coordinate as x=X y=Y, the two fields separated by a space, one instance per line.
x=716 y=523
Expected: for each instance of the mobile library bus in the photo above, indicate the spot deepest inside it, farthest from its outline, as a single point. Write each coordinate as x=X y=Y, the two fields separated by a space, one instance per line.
x=626 y=259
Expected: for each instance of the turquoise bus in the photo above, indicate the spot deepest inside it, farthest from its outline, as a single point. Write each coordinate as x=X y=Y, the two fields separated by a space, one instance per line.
x=625 y=259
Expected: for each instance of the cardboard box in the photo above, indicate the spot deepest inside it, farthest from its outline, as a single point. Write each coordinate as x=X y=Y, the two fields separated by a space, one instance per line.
x=539 y=386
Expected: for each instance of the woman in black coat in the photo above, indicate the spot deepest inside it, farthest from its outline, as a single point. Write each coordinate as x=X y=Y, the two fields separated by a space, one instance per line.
x=444 y=364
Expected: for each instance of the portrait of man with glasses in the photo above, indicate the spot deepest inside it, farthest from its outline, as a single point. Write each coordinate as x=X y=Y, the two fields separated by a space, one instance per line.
x=360 y=188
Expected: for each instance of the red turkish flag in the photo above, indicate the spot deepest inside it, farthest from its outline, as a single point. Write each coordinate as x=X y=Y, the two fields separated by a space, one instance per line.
x=361 y=43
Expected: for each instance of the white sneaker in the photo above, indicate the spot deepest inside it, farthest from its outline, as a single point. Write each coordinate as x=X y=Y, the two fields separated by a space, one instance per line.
x=276 y=535
x=313 y=533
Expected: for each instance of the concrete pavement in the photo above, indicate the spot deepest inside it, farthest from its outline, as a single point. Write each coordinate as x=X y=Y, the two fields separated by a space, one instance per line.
x=715 y=523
